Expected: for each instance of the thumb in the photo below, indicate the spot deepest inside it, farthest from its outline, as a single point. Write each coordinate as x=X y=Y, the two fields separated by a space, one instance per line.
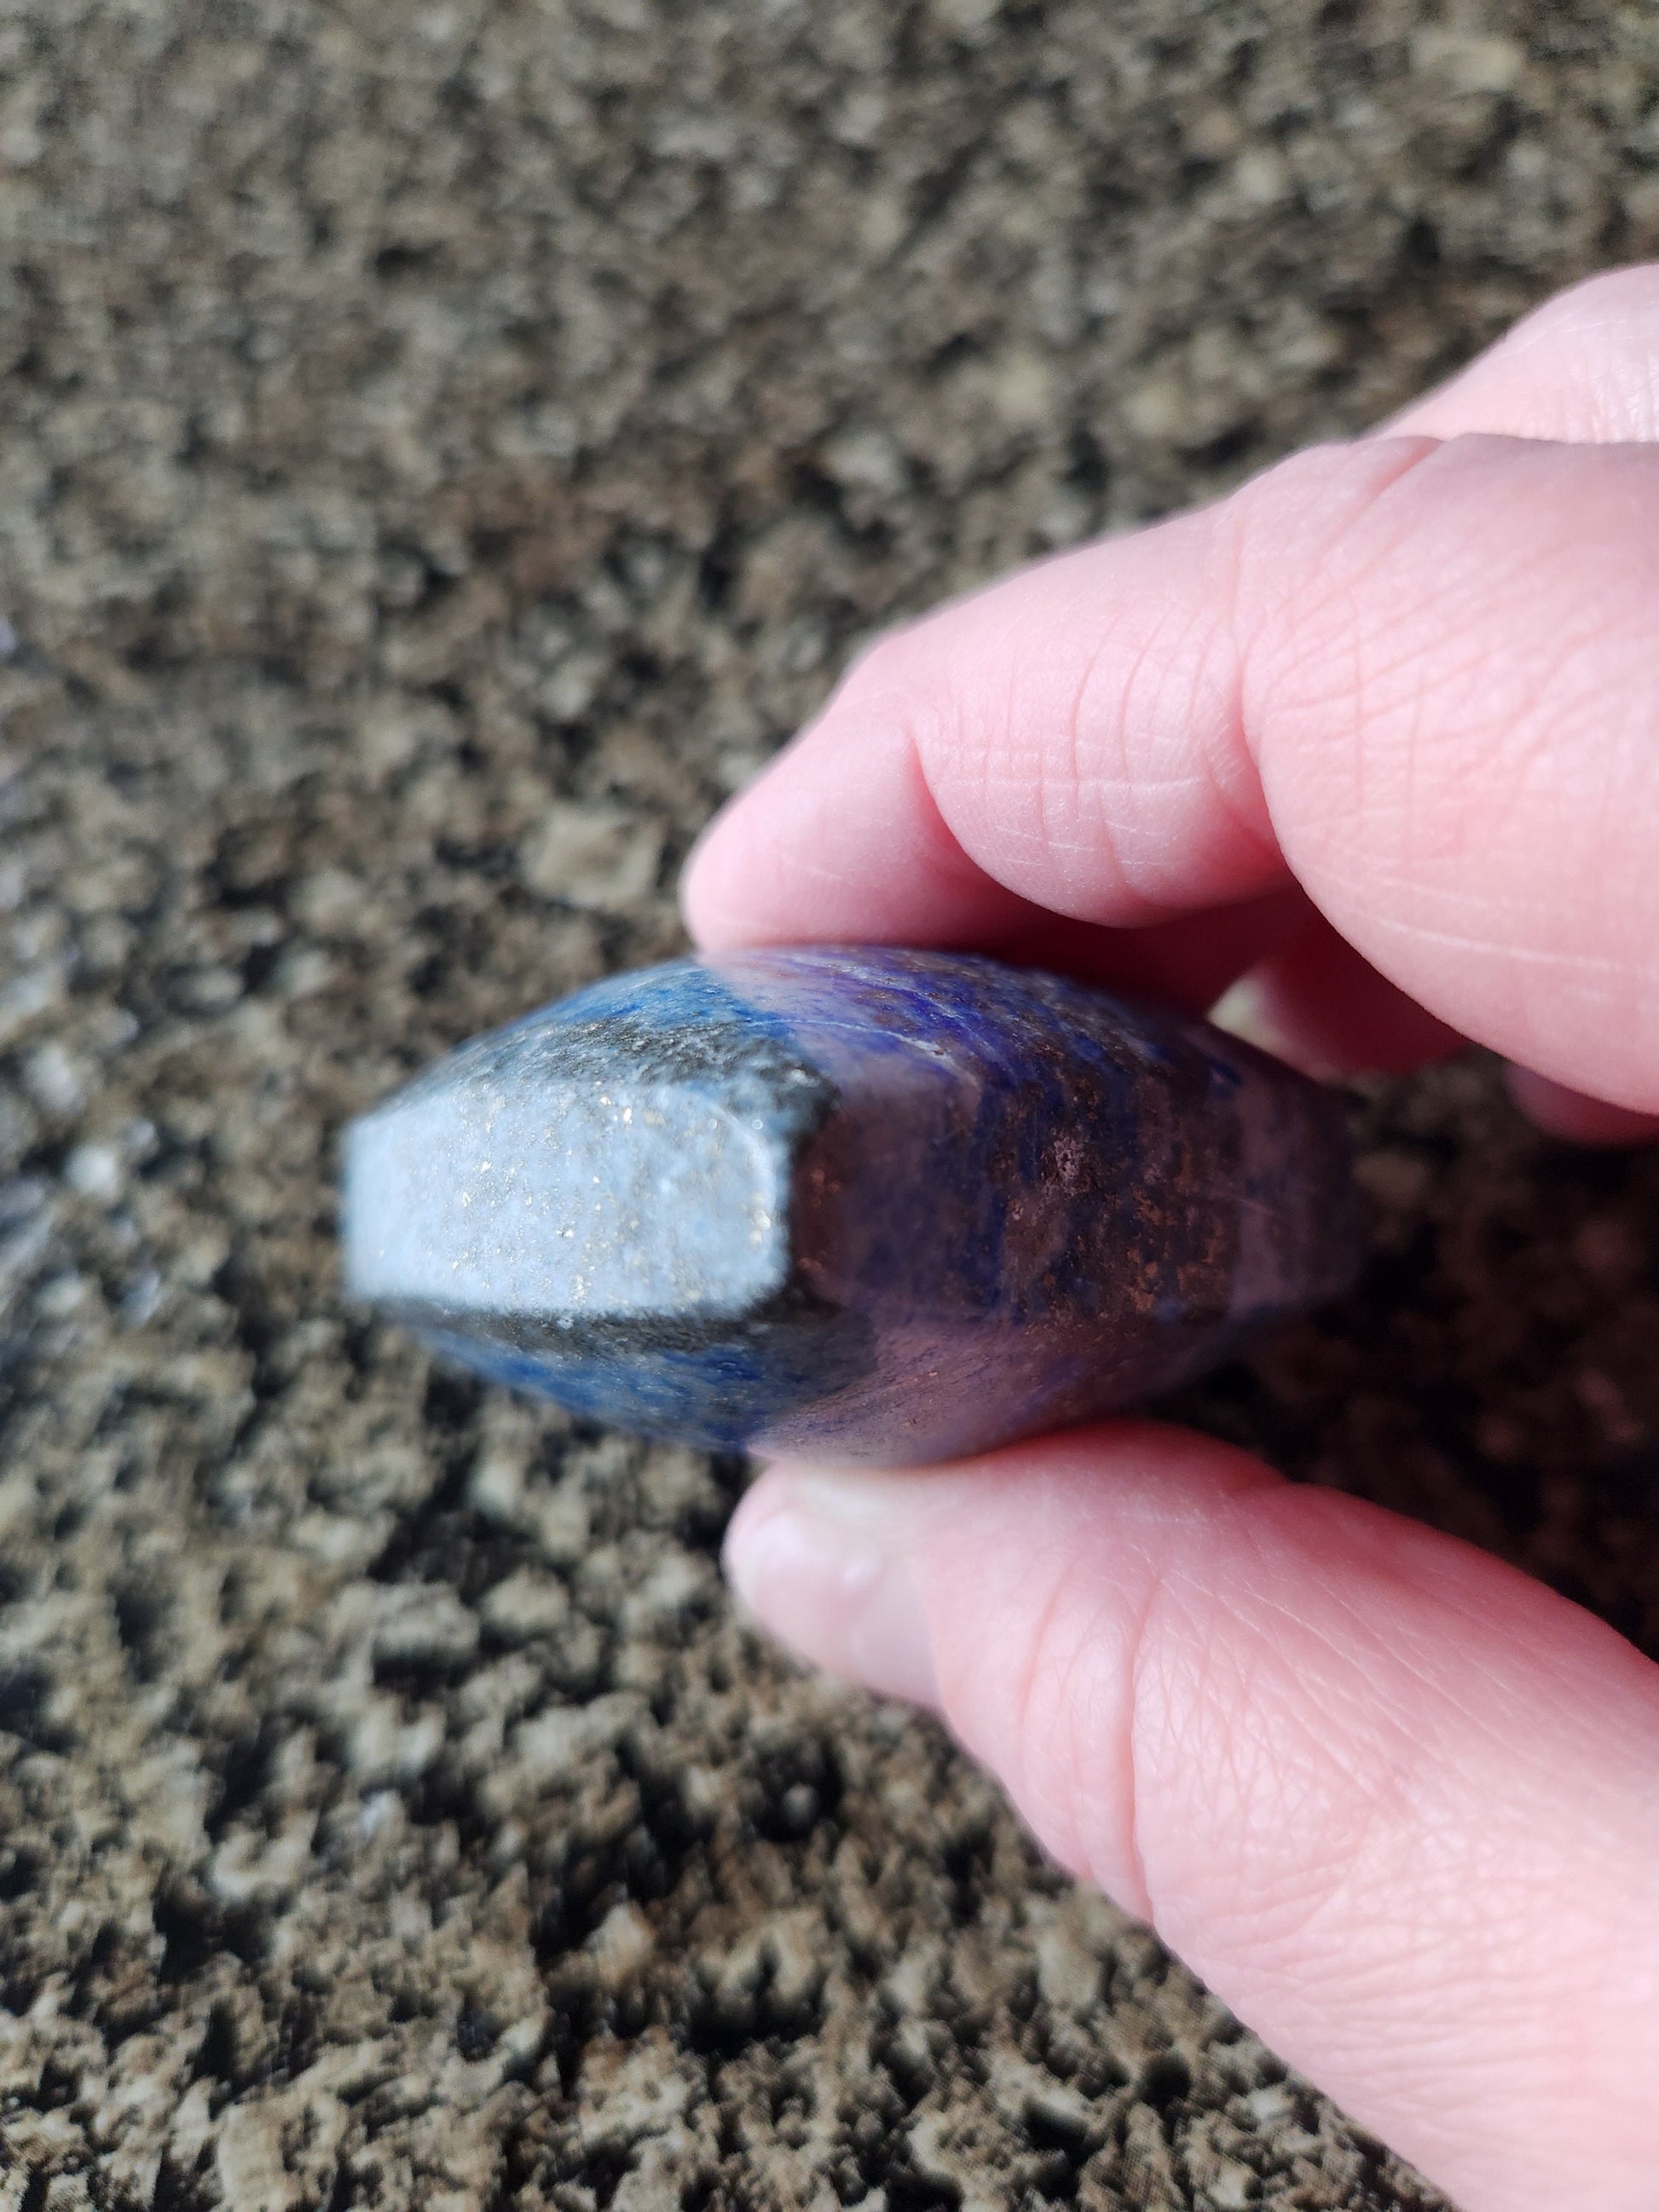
x=1393 y=1800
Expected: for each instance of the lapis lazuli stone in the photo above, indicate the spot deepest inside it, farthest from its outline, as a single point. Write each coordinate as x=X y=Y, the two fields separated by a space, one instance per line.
x=854 y=1202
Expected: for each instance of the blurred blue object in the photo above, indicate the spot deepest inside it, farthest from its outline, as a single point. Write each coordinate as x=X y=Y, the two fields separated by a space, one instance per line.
x=859 y=1203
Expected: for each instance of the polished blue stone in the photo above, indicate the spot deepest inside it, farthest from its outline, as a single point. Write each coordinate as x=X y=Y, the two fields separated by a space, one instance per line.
x=851 y=1201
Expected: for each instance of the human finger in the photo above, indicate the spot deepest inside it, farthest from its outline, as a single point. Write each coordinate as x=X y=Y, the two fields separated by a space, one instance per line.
x=1186 y=962
x=1561 y=1112
x=1314 y=1001
x=1393 y=1800
x=1416 y=678
x=1583 y=366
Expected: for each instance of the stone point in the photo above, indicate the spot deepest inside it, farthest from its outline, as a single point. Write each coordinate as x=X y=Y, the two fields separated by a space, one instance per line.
x=867 y=1202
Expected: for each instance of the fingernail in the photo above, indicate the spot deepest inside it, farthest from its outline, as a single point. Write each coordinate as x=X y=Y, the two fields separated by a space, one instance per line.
x=1246 y=1010
x=814 y=1562
x=1242 y=1010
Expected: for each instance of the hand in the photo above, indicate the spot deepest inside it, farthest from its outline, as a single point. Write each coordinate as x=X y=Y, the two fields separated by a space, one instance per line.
x=1380 y=734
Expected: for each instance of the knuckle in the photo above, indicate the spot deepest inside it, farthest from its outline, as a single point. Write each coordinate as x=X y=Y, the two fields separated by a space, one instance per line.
x=1295 y=533
x=895 y=682
x=1074 y=1723
x=889 y=672
x=1044 y=1704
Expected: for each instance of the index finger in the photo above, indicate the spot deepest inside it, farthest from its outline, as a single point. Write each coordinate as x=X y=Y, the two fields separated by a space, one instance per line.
x=1415 y=677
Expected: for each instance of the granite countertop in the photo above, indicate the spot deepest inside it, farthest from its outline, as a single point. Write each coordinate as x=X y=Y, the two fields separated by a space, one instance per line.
x=445 y=449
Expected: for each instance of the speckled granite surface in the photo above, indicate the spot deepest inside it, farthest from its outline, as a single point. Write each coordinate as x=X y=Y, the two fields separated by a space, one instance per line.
x=443 y=449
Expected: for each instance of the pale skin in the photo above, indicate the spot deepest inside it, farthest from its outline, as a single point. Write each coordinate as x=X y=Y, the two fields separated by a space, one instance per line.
x=1380 y=735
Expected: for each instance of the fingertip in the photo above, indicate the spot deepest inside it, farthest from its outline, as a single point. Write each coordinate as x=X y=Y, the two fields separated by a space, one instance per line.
x=839 y=842
x=1575 y=1117
x=1320 y=1006
x=700 y=888
x=821 y=1563
x=717 y=890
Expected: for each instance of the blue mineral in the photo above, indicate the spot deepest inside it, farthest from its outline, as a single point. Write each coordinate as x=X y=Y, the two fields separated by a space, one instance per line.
x=857 y=1202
